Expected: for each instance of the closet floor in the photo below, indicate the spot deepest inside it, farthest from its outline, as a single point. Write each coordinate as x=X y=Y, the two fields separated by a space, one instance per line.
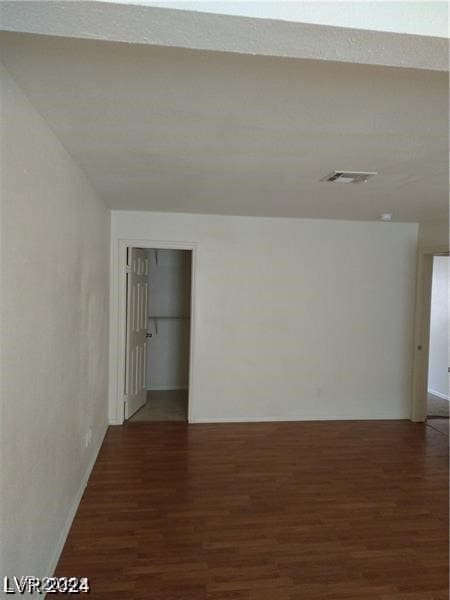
x=167 y=405
x=437 y=407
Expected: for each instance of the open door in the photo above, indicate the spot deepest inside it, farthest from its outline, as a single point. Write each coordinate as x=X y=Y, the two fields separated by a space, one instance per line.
x=136 y=341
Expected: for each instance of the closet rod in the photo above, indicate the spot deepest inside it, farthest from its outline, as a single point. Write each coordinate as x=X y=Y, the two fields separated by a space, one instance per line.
x=164 y=317
x=156 y=319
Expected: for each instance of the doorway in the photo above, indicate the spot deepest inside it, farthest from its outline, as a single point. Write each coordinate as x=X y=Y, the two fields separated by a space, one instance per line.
x=431 y=338
x=158 y=302
x=438 y=383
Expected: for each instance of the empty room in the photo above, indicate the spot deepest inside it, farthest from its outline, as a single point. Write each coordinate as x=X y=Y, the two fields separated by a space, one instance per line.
x=224 y=300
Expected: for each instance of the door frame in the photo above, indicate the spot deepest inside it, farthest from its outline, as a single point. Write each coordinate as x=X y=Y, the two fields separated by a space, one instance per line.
x=118 y=342
x=422 y=318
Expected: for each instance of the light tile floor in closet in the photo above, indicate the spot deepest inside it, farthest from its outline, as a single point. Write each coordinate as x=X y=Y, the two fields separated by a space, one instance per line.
x=167 y=405
x=437 y=407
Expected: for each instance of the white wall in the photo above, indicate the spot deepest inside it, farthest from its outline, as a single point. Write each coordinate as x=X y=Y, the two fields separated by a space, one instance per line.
x=169 y=295
x=54 y=277
x=294 y=319
x=434 y=233
x=439 y=328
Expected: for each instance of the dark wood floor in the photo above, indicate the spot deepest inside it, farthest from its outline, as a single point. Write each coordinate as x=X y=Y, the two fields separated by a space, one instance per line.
x=265 y=511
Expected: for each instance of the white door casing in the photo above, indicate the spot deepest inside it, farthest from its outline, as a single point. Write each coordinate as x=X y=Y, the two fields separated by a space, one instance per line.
x=422 y=330
x=136 y=341
x=118 y=334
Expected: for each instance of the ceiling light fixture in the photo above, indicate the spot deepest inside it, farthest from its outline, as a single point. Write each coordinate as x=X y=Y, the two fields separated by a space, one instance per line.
x=386 y=217
x=349 y=176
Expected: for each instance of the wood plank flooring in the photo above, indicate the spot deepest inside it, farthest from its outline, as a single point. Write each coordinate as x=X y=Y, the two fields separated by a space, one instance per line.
x=265 y=511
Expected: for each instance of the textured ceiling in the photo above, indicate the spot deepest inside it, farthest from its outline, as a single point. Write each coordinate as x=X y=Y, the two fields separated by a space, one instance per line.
x=193 y=131
x=118 y=22
x=429 y=18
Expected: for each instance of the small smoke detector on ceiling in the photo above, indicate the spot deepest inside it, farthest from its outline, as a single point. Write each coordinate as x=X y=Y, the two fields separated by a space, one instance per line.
x=349 y=176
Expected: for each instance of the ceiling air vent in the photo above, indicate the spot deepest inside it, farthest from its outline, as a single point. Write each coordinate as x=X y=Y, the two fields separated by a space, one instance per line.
x=349 y=176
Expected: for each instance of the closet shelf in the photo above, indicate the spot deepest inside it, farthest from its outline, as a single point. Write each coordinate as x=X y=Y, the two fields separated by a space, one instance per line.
x=156 y=318
x=164 y=317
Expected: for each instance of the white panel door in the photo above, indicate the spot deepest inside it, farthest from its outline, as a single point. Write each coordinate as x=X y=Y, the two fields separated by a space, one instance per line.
x=136 y=351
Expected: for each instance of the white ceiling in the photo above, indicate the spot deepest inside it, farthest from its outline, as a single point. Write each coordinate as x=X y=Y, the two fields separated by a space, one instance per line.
x=196 y=30
x=170 y=129
x=426 y=17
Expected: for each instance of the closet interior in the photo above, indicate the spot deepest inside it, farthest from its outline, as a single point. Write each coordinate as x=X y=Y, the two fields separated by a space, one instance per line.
x=167 y=336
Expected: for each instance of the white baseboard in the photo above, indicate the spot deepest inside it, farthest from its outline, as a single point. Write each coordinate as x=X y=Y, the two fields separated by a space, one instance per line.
x=244 y=419
x=439 y=395
x=299 y=419
x=213 y=420
x=157 y=388
x=73 y=509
